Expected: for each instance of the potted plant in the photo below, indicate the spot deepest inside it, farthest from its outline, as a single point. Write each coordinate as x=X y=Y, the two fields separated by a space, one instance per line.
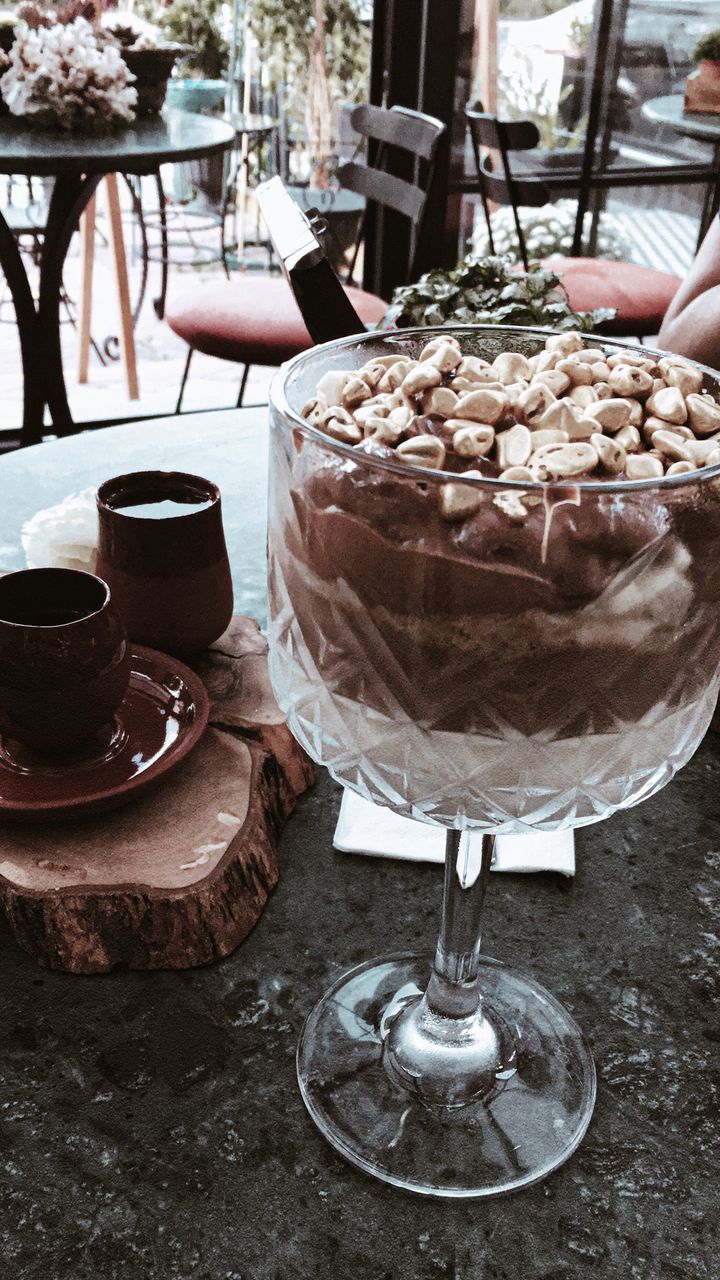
x=489 y=291
x=199 y=86
x=706 y=55
x=149 y=58
x=50 y=54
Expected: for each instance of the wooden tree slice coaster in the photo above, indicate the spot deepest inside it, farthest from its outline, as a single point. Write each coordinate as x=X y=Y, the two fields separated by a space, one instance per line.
x=179 y=877
x=235 y=673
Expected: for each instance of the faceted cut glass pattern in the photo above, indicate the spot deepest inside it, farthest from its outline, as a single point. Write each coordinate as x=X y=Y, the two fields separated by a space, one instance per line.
x=501 y=784
x=428 y=699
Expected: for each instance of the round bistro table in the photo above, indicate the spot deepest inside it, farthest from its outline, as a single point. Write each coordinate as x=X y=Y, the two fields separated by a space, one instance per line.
x=151 y=1126
x=670 y=110
x=77 y=161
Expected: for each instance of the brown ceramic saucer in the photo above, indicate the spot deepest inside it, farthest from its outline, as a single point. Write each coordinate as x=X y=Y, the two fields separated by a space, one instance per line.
x=161 y=718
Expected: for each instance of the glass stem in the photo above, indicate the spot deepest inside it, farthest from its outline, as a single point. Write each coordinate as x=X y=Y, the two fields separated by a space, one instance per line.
x=442 y=1047
x=453 y=990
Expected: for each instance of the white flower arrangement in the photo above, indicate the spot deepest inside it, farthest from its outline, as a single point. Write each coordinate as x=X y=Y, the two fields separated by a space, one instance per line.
x=59 y=75
x=549 y=230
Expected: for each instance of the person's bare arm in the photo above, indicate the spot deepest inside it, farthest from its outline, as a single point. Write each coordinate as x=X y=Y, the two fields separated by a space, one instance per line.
x=692 y=322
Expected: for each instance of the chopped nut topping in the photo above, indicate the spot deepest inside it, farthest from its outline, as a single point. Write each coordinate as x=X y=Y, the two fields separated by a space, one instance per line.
x=610 y=414
x=460 y=500
x=568 y=412
x=422 y=451
x=630 y=380
x=473 y=442
x=704 y=414
x=642 y=466
x=514 y=447
x=668 y=404
x=482 y=406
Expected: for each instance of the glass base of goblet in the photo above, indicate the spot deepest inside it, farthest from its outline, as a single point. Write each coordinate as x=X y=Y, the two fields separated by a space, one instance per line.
x=530 y=1104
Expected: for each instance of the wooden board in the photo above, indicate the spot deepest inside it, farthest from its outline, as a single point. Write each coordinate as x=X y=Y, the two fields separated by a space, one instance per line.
x=180 y=877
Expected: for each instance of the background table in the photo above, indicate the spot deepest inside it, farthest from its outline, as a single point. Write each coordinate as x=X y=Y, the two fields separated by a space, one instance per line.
x=150 y=1124
x=77 y=162
x=701 y=125
x=670 y=110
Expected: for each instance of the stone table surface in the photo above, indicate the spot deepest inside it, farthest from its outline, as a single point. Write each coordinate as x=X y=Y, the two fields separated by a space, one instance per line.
x=150 y=1123
x=228 y=447
x=149 y=142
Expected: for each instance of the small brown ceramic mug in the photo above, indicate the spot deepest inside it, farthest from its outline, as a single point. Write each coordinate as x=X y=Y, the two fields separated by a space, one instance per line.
x=162 y=552
x=64 y=658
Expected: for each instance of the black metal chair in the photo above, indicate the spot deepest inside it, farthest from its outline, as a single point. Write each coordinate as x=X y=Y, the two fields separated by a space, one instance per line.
x=489 y=133
x=397 y=129
x=639 y=295
x=255 y=321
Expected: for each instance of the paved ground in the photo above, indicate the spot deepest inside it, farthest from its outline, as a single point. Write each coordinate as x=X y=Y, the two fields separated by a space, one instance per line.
x=161 y=356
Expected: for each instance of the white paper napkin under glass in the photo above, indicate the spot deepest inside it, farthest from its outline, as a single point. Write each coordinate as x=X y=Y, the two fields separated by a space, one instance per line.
x=371 y=829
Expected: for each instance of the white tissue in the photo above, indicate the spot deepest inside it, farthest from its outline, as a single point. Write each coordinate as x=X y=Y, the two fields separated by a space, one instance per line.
x=64 y=536
x=367 y=828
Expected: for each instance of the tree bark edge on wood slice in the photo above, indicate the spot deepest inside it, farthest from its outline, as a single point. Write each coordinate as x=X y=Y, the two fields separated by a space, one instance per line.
x=66 y=917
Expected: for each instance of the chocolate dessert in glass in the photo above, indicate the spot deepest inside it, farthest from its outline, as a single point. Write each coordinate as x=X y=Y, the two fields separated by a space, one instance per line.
x=494 y=579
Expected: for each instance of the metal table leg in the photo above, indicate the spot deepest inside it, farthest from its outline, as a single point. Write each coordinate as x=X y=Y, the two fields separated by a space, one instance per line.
x=27 y=323
x=70 y=196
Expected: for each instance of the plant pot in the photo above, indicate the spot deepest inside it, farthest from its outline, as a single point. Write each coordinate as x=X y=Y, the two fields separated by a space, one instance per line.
x=709 y=69
x=207 y=176
x=202 y=97
x=152 y=69
x=206 y=98
x=7 y=35
x=7 y=40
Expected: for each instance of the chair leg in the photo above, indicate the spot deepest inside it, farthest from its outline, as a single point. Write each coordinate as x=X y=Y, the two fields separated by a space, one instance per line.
x=243 y=384
x=186 y=370
x=87 y=240
x=127 y=335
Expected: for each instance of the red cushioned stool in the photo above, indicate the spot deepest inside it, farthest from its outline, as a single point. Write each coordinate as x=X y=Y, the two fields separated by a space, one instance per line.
x=640 y=295
x=257 y=320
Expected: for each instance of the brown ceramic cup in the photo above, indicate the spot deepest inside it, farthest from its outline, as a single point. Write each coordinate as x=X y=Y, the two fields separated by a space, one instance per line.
x=167 y=569
x=64 y=658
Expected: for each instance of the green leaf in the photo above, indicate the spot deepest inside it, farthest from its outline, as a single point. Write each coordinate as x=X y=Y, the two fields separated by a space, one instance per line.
x=491 y=291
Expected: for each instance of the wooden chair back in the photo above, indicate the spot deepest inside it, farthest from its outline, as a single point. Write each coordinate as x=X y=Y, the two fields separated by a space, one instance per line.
x=488 y=133
x=394 y=130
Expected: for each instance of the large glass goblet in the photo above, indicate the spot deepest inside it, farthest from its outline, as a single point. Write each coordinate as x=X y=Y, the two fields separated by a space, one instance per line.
x=543 y=663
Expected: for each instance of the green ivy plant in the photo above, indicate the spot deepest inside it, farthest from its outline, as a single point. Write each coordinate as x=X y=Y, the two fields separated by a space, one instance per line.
x=707 y=47
x=490 y=291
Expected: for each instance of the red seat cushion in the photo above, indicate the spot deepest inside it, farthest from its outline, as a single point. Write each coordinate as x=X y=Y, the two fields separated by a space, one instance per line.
x=253 y=320
x=640 y=295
